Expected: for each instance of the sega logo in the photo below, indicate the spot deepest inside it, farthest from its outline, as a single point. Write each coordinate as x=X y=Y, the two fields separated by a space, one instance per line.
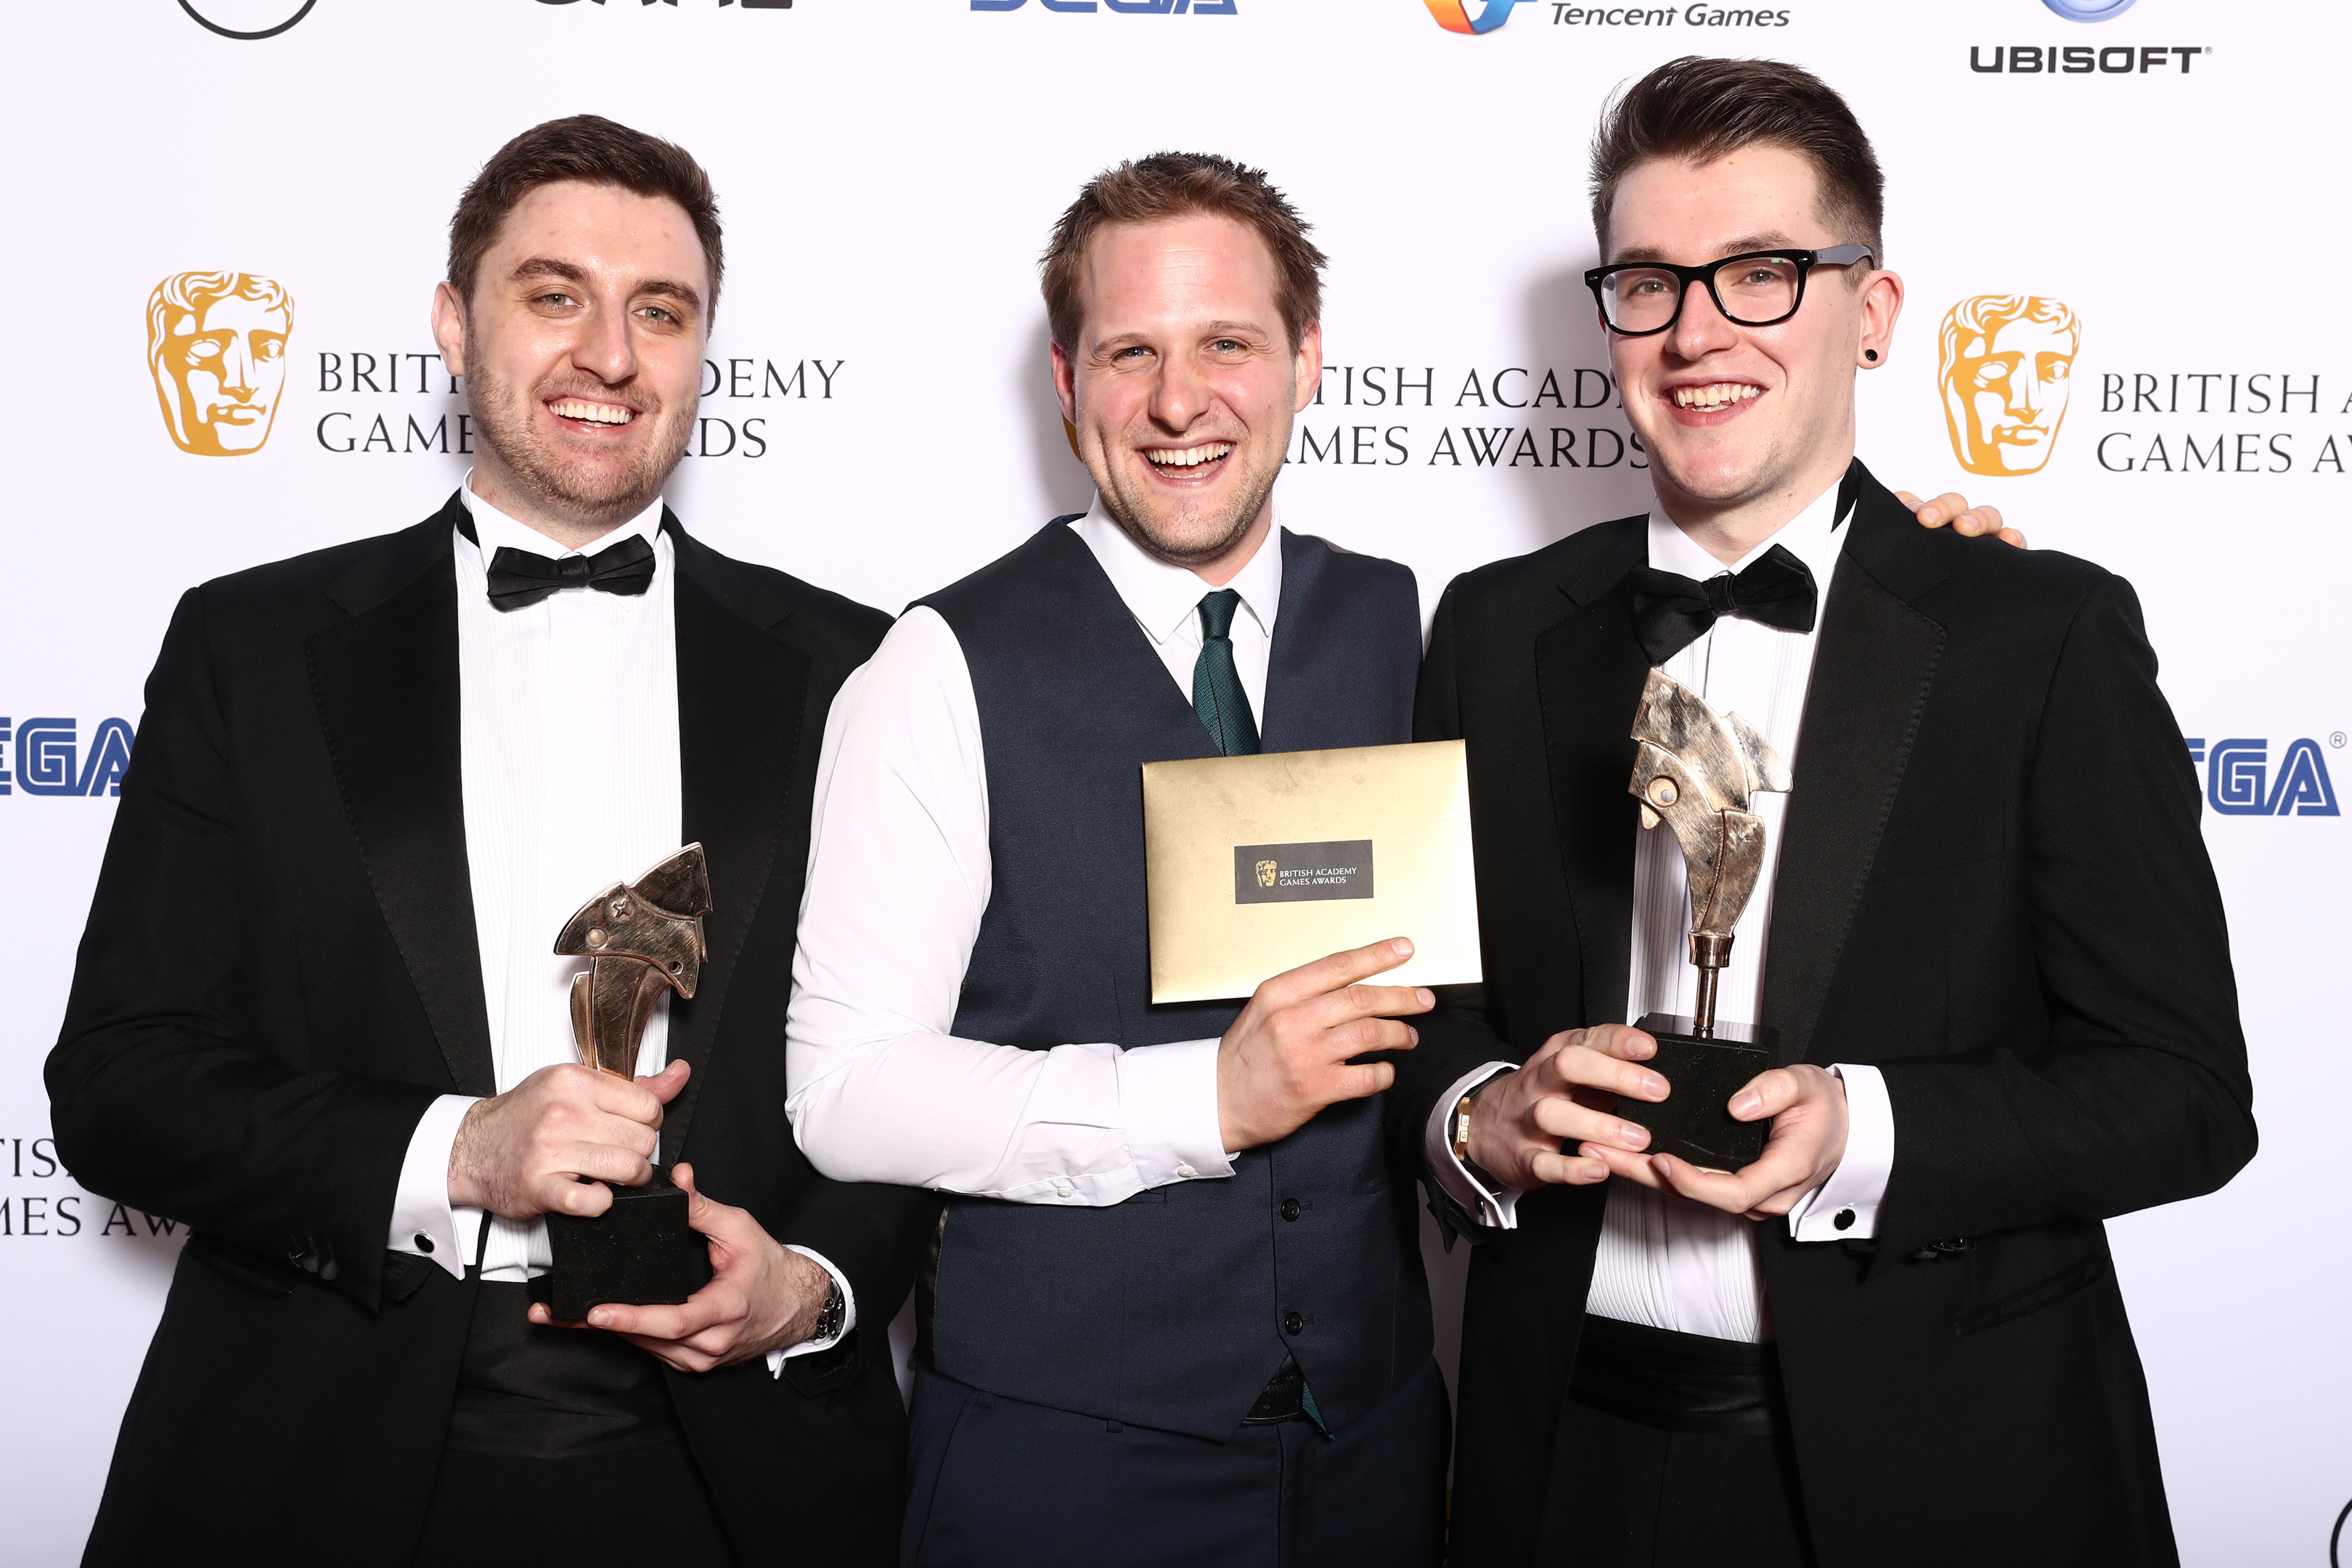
x=1125 y=7
x=2238 y=781
x=48 y=760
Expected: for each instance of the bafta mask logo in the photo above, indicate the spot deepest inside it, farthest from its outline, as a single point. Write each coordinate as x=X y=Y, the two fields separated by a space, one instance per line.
x=216 y=348
x=2007 y=364
x=1266 y=873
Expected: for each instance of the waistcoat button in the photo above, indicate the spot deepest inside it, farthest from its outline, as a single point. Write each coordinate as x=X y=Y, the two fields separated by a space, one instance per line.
x=1294 y=1323
x=1290 y=1208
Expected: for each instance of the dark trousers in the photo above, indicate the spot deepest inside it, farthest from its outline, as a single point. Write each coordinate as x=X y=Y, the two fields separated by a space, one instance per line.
x=563 y=1448
x=1673 y=1452
x=998 y=1483
x=645 y=1508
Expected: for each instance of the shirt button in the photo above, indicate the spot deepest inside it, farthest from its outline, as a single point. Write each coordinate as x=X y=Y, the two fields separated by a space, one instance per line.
x=1061 y=1192
x=424 y=1241
x=1844 y=1219
x=1291 y=1208
x=1294 y=1323
x=1186 y=1170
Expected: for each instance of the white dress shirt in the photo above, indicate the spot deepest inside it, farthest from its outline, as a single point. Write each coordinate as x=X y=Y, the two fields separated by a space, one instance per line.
x=898 y=879
x=1664 y=1260
x=569 y=759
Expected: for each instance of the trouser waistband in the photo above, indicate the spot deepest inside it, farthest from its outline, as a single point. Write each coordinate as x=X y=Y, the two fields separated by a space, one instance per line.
x=1678 y=1383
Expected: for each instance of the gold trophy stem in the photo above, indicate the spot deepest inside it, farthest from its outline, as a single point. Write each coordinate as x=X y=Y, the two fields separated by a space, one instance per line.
x=1711 y=951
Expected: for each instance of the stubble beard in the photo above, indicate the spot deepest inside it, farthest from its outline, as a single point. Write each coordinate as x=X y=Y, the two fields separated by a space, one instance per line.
x=1226 y=527
x=597 y=493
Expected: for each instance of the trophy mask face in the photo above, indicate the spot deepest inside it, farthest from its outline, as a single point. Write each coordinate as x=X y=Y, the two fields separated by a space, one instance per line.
x=1184 y=382
x=2007 y=363
x=216 y=349
x=581 y=349
x=1777 y=402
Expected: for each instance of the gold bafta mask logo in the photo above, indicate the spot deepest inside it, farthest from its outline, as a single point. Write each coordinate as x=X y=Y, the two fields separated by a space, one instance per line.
x=216 y=349
x=2006 y=364
x=1266 y=873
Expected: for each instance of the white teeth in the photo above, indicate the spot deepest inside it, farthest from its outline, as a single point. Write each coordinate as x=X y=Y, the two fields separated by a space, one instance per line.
x=1171 y=457
x=594 y=413
x=1715 y=395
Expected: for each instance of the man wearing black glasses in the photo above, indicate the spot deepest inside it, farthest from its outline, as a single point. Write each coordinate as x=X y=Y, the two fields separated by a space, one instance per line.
x=1984 y=927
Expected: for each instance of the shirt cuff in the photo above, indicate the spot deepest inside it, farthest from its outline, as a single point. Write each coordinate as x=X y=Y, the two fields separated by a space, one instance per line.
x=424 y=1221
x=1499 y=1208
x=1845 y=1207
x=776 y=1359
x=1168 y=1100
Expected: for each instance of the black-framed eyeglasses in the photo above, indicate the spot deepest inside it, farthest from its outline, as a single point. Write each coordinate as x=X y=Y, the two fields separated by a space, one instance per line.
x=1754 y=288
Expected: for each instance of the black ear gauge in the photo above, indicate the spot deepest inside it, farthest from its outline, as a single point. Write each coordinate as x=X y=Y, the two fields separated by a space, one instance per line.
x=1870 y=354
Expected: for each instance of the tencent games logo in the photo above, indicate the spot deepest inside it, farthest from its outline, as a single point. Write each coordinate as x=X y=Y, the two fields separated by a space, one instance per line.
x=217 y=352
x=2005 y=364
x=1454 y=17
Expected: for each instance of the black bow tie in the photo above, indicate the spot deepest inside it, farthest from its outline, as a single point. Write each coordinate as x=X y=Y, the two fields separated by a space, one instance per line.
x=519 y=578
x=1671 y=612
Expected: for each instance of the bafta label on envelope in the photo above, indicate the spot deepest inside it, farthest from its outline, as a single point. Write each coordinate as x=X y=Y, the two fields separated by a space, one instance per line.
x=1257 y=865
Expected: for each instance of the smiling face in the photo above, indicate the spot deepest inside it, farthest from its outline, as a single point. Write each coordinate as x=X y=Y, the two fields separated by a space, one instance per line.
x=582 y=351
x=2006 y=385
x=1182 y=386
x=1744 y=424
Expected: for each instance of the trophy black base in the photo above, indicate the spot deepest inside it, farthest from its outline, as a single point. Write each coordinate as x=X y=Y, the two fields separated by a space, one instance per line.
x=1694 y=1122
x=638 y=1253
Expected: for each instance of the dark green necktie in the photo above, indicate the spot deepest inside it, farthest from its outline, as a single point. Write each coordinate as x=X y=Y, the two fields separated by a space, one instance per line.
x=1217 y=694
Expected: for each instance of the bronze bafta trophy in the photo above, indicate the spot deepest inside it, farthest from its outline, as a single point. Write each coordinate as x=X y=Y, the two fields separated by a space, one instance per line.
x=1695 y=770
x=640 y=939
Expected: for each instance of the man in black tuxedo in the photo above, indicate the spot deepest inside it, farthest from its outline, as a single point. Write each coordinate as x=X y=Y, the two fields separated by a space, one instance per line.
x=316 y=1014
x=1991 y=942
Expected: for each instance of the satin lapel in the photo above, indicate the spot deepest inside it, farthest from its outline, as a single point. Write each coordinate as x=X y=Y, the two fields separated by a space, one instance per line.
x=1871 y=678
x=385 y=683
x=1589 y=673
x=742 y=695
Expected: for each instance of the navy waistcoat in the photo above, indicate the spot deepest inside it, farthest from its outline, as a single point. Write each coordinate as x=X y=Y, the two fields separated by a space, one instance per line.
x=1172 y=1309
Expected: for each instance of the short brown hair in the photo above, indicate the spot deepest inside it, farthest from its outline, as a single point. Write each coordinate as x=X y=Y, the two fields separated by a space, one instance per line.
x=1181 y=184
x=595 y=151
x=1704 y=109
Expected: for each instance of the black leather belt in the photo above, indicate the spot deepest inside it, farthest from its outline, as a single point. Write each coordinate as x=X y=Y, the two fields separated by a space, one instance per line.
x=1284 y=1397
x=1678 y=1383
x=531 y=1392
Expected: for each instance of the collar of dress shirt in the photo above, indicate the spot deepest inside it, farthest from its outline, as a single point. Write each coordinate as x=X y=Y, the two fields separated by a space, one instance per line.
x=497 y=530
x=1162 y=598
x=1814 y=536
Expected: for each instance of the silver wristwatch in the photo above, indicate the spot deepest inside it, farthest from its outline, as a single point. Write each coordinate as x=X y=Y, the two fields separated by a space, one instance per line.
x=829 y=1316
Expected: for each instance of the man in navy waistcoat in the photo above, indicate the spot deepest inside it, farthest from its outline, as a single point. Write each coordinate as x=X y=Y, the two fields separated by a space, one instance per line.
x=1177 y=1301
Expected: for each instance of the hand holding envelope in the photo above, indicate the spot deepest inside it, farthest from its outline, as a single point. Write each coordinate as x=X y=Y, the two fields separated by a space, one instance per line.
x=1259 y=863
x=1286 y=1057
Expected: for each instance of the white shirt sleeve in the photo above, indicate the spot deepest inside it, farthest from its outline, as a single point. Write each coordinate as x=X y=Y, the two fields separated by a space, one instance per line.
x=1499 y=1208
x=898 y=879
x=776 y=1359
x=424 y=1221
x=1845 y=1207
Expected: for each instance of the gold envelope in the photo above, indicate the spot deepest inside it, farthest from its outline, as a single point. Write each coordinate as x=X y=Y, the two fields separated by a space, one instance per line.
x=1258 y=865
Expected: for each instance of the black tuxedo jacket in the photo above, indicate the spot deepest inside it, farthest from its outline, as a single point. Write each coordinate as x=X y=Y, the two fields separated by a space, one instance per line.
x=1994 y=890
x=281 y=973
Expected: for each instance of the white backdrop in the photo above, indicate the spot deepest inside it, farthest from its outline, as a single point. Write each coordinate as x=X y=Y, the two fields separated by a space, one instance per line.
x=888 y=172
